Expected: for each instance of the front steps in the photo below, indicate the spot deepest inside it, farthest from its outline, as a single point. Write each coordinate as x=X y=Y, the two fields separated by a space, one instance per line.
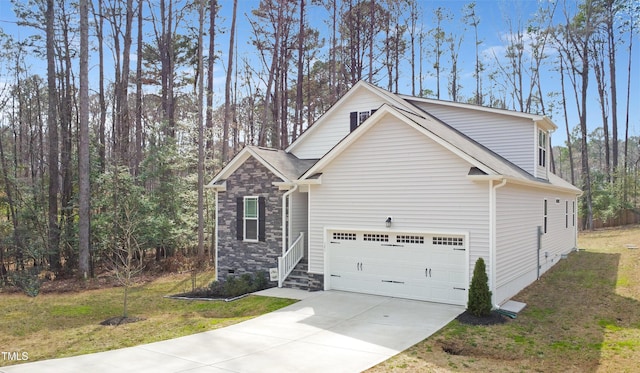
x=298 y=278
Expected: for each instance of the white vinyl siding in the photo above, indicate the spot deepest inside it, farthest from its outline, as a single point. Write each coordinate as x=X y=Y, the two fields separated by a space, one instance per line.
x=393 y=170
x=299 y=215
x=517 y=236
x=508 y=136
x=335 y=126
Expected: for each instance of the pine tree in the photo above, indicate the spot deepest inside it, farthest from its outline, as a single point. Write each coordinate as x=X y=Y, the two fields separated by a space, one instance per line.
x=479 y=295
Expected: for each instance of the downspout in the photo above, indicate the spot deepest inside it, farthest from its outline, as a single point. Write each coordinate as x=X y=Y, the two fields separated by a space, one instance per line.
x=539 y=248
x=284 y=217
x=492 y=234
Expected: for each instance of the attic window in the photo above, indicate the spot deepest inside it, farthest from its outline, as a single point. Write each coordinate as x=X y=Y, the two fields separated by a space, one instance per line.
x=542 y=148
x=356 y=118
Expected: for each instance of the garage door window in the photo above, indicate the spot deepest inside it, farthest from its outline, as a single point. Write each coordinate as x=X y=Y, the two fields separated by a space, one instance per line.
x=376 y=237
x=448 y=241
x=410 y=239
x=344 y=236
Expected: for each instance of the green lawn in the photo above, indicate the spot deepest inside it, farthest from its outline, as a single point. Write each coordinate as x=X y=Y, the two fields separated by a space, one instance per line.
x=66 y=324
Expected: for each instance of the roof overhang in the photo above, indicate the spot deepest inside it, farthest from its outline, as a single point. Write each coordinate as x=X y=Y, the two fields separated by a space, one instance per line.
x=237 y=161
x=530 y=183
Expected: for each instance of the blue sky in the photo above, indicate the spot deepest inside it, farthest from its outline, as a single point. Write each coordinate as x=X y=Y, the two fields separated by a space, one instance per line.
x=493 y=31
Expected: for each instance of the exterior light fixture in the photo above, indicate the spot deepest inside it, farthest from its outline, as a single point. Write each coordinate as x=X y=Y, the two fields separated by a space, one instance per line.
x=388 y=222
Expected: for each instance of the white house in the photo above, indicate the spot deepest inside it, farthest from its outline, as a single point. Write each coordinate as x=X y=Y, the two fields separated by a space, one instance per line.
x=396 y=195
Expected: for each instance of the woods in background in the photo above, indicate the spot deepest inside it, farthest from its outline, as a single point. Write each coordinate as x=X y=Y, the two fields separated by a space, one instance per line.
x=109 y=147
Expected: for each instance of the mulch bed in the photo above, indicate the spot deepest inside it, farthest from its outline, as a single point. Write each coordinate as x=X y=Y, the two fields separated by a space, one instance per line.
x=493 y=319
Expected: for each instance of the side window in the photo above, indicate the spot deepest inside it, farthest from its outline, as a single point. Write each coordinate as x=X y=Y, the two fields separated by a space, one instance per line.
x=566 y=214
x=542 y=148
x=250 y=219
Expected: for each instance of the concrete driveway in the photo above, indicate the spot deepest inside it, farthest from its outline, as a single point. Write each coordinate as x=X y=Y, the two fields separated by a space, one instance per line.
x=327 y=331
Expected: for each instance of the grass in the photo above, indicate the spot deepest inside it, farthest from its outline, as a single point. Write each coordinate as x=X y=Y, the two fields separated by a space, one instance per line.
x=67 y=324
x=581 y=316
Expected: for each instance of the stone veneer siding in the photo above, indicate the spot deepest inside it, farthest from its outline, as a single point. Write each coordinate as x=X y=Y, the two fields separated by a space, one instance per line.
x=250 y=179
x=316 y=282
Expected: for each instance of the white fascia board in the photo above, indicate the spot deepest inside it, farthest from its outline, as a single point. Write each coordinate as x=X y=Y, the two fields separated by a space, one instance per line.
x=345 y=143
x=356 y=87
x=283 y=185
x=238 y=160
x=529 y=183
x=326 y=114
x=373 y=120
x=222 y=187
x=519 y=114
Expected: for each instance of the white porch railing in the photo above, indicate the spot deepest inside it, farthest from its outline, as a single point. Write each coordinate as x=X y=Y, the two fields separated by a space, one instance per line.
x=288 y=261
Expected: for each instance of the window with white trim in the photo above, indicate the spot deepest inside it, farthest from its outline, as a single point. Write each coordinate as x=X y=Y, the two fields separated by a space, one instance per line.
x=542 y=148
x=573 y=219
x=251 y=219
x=362 y=116
x=566 y=214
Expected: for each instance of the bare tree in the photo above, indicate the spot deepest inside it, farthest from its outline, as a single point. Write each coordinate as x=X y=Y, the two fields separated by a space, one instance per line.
x=201 y=12
x=52 y=124
x=574 y=42
x=471 y=18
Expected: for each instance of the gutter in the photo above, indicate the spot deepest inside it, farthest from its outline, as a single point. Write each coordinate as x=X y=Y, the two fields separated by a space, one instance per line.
x=284 y=217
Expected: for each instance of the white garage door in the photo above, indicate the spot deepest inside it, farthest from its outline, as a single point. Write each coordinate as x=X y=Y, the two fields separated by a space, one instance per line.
x=431 y=267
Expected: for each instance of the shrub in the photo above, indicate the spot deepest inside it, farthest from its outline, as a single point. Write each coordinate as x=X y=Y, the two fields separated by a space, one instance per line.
x=479 y=294
x=236 y=286
x=27 y=281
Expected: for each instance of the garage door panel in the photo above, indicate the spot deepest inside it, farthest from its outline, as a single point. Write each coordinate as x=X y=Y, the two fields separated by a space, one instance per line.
x=415 y=266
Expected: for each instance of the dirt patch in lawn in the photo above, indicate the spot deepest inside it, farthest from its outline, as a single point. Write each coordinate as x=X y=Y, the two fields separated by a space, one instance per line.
x=120 y=320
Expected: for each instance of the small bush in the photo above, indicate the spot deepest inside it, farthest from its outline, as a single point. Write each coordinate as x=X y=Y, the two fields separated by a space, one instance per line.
x=479 y=294
x=236 y=286
x=27 y=281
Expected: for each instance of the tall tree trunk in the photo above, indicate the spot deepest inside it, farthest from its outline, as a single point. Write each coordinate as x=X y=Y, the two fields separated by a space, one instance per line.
x=598 y=69
x=200 y=130
x=611 y=43
x=566 y=121
x=52 y=124
x=297 y=127
x=83 y=148
x=210 y=65
x=99 y=22
x=137 y=158
x=227 y=87
x=626 y=123
x=66 y=119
